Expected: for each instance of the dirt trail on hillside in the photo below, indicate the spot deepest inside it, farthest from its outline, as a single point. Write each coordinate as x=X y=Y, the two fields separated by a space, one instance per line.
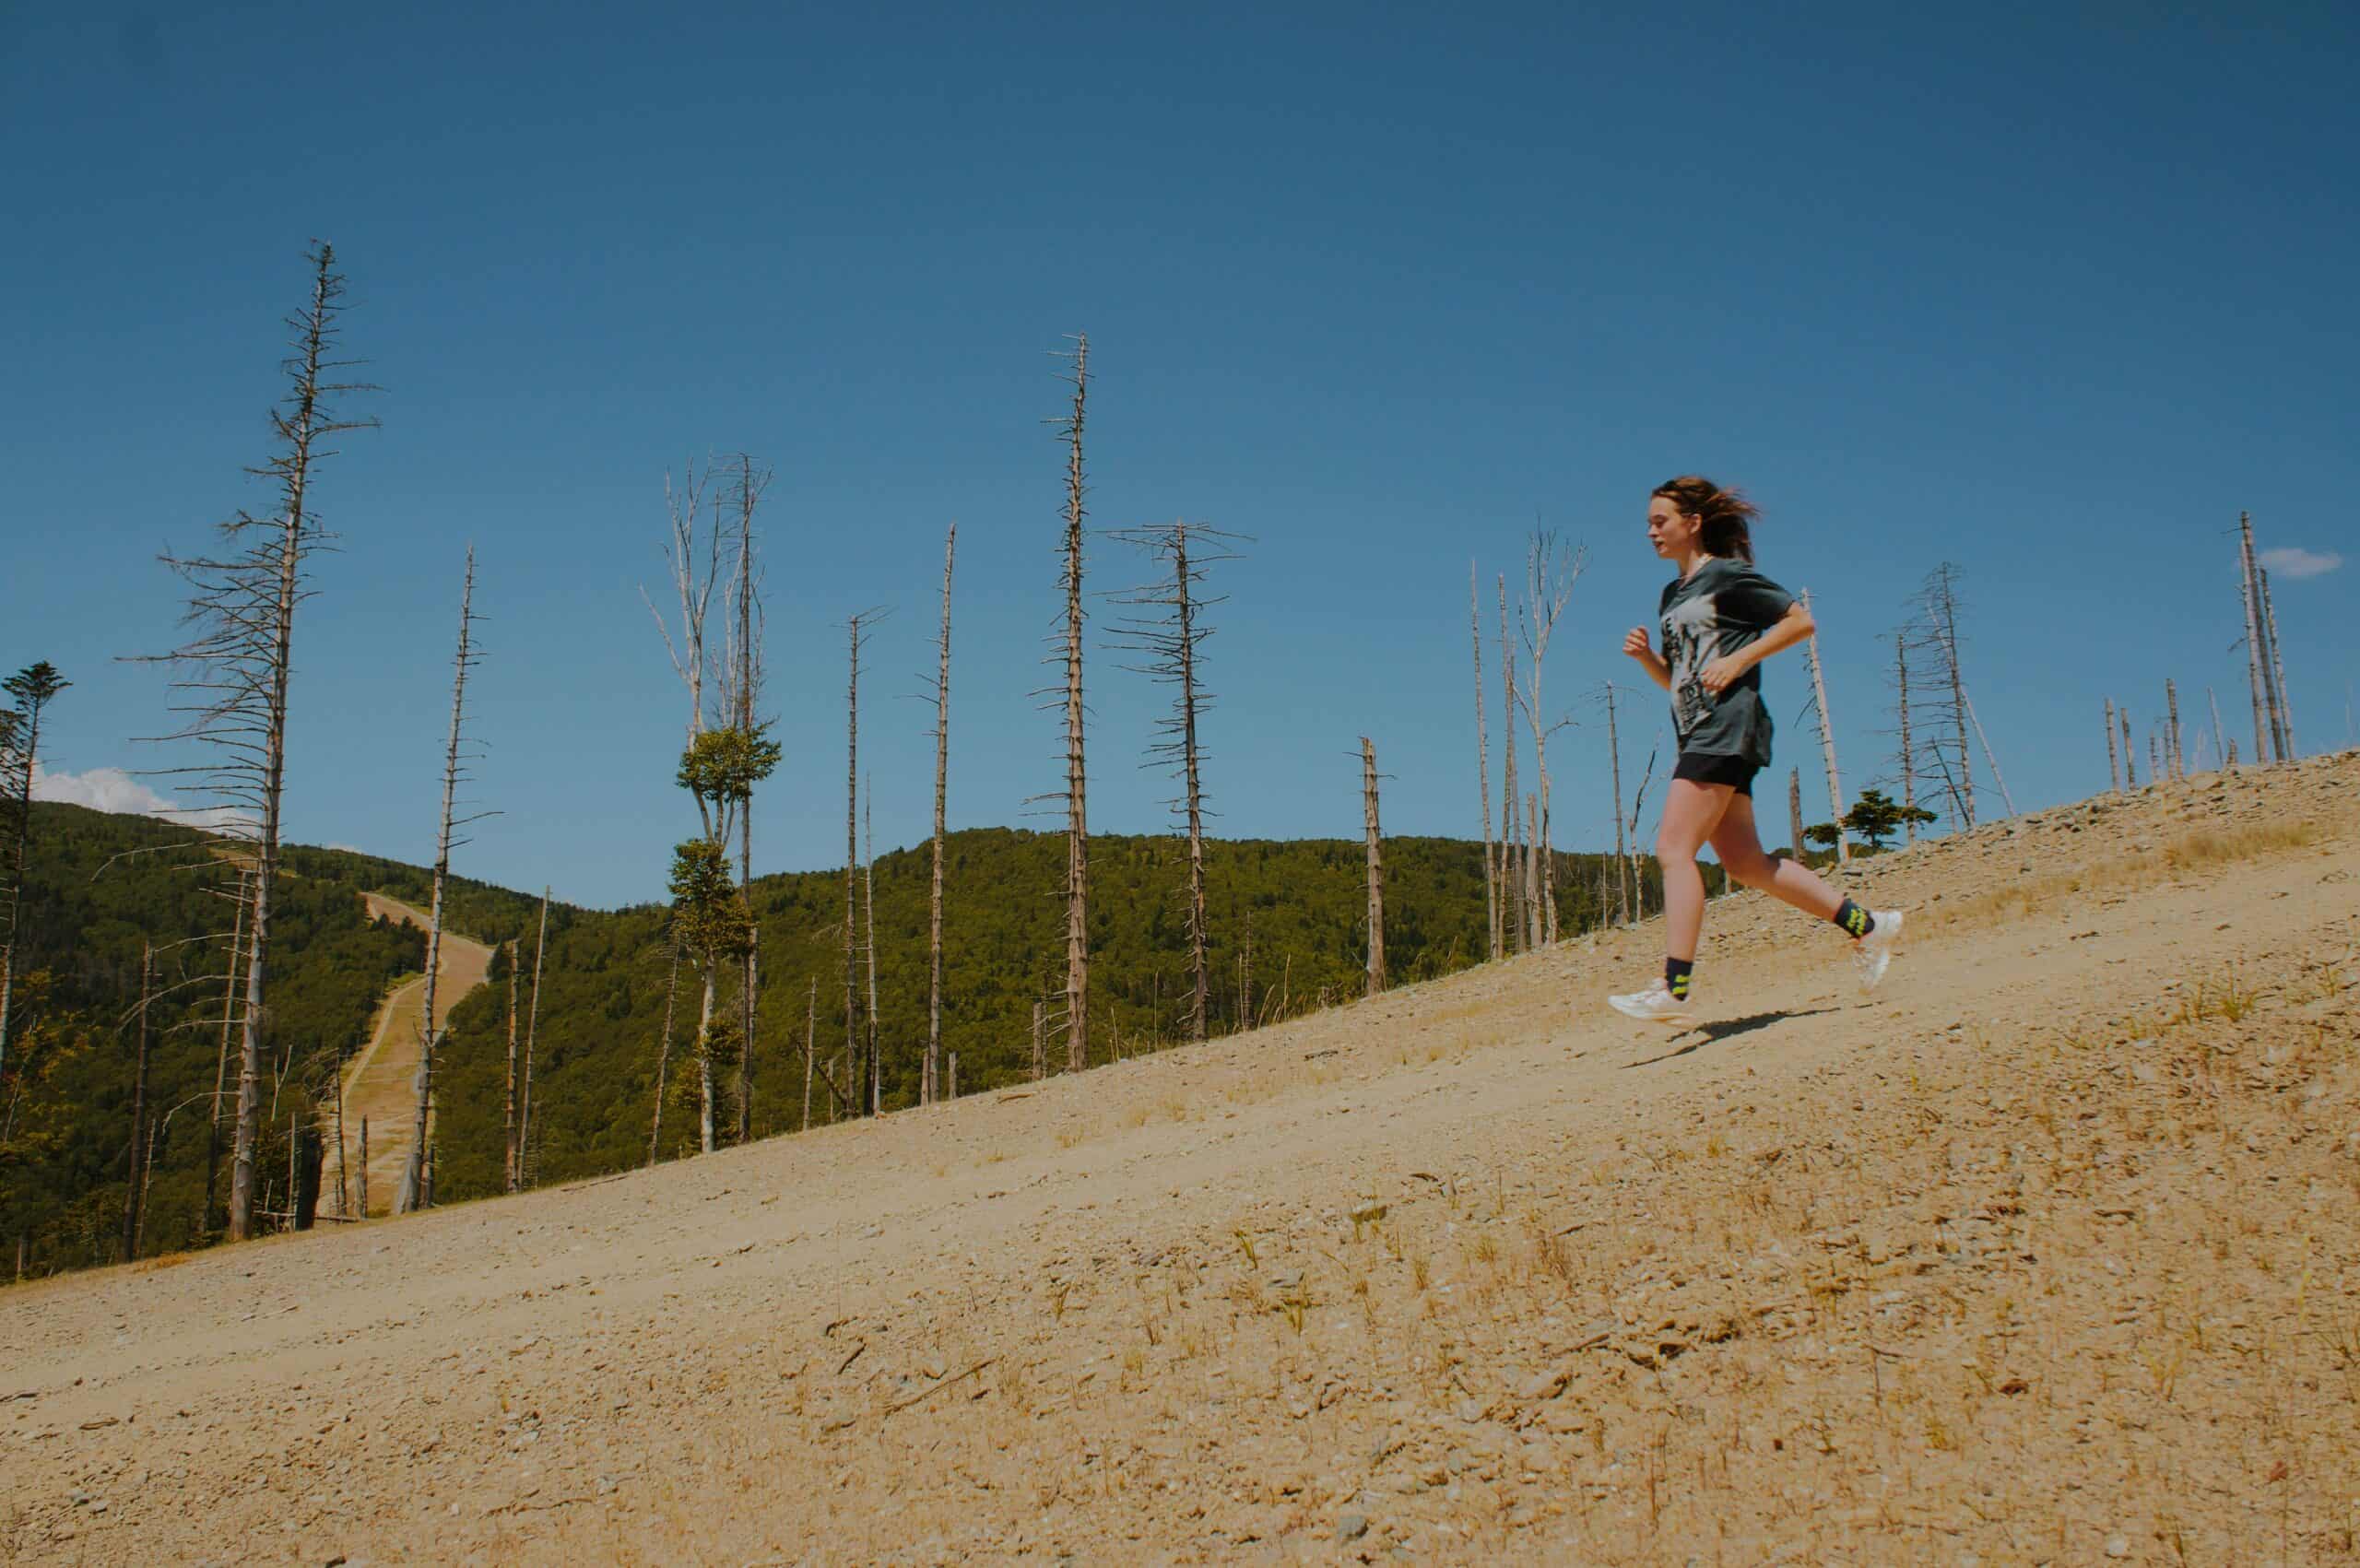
x=380 y=1084
x=2048 y=1252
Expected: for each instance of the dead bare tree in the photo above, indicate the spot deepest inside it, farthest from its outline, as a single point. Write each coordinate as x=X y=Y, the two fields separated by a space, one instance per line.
x=1638 y=811
x=1484 y=770
x=930 y=1077
x=1516 y=891
x=849 y=1095
x=1614 y=783
x=664 y=1056
x=1171 y=636
x=1040 y=1040
x=1077 y=1021
x=2171 y=729
x=1376 y=868
x=869 y=879
x=1795 y=810
x=2286 y=749
x=1908 y=761
x=1826 y=740
x=2113 y=754
x=811 y=1042
x=230 y=976
x=1551 y=567
x=416 y=1190
x=508 y=1123
x=742 y=687
x=2130 y=758
x=136 y=1189
x=532 y=1038
x=231 y=697
x=2264 y=710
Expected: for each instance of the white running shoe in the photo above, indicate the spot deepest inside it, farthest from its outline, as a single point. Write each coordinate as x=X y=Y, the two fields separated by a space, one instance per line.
x=1872 y=954
x=1654 y=1004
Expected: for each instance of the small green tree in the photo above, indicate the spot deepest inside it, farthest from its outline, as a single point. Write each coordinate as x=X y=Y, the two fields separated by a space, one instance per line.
x=33 y=687
x=1825 y=834
x=711 y=920
x=1876 y=817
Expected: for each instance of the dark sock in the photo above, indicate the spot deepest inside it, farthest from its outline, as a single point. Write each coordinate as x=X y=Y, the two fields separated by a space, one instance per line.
x=1856 y=921
x=1675 y=976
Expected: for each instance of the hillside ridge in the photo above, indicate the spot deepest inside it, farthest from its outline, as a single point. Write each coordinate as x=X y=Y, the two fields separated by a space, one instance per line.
x=2035 y=1253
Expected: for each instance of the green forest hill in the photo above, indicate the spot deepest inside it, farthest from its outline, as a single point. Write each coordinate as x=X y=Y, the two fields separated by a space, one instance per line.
x=1287 y=936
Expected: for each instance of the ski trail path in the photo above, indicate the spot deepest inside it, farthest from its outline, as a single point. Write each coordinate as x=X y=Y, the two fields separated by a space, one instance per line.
x=381 y=1082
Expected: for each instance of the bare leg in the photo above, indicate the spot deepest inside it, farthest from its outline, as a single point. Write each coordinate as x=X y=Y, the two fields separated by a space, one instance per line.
x=1790 y=881
x=1691 y=814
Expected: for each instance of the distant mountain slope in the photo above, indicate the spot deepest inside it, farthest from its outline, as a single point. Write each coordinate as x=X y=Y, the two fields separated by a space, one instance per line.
x=1299 y=906
x=99 y=884
x=603 y=990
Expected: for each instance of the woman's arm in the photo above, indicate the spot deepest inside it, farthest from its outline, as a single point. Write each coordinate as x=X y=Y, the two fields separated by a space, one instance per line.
x=1636 y=645
x=1791 y=629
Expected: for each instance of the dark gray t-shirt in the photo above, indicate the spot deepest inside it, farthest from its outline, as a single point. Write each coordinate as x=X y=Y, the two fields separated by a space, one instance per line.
x=1725 y=606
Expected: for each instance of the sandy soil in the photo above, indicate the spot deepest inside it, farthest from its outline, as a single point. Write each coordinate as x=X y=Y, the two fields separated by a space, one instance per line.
x=2048 y=1252
x=380 y=1084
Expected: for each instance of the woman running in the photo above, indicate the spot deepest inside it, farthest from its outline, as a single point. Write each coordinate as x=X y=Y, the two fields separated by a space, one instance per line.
x=1722 y=618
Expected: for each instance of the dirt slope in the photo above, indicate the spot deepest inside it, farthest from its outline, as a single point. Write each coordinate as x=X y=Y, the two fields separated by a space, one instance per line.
x=381 y=1084
x=2047 y=1254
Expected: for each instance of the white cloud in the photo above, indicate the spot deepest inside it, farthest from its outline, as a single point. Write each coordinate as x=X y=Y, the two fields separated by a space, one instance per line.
x=2298 y=562
x=112 y=789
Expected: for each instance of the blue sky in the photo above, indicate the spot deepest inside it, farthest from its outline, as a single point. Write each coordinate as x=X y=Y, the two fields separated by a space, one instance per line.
x=2050 y=292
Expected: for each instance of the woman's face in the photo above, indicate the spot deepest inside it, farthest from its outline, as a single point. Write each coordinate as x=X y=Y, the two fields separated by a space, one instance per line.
x=1671 y=530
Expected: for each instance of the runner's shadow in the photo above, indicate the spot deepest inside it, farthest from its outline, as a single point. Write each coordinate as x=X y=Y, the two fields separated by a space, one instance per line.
x=1713 y=1033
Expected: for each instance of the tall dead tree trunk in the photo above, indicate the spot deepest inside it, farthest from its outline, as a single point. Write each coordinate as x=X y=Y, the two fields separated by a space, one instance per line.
x=1908 y=751
x=1513 y=891
x=1794 y=808
x=1990 y=758
x=416 y=1192
x=747 y=666
x=136 y=1192
x=869 y=879
x=1040 y=1040
x=1551 y=570
x=221 y=1062
x=1172 y=637
x=854 y=1075
x=2171 y=729
x=532 y=1039
x=2287 y=751
x=1484 y=771
x=930 y=1078
x=507 y=1119
x=1376 y=868
x=364 y=1168
x=1077 y=812
x=243 y=605
x=2250 y=587
x=2130 y=758
x=1614 y=781
x=664 y=1056
x=2220 y=735
x=1532 y=873
x=2112 y=757
x=811 y=1044
x=1827 y=747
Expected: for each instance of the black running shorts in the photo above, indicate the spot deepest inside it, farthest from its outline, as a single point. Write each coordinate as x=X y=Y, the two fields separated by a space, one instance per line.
x=1705 y=767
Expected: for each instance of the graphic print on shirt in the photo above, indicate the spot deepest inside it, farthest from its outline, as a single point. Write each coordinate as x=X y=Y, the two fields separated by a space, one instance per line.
x=1691 y=640
x=1722 y=608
